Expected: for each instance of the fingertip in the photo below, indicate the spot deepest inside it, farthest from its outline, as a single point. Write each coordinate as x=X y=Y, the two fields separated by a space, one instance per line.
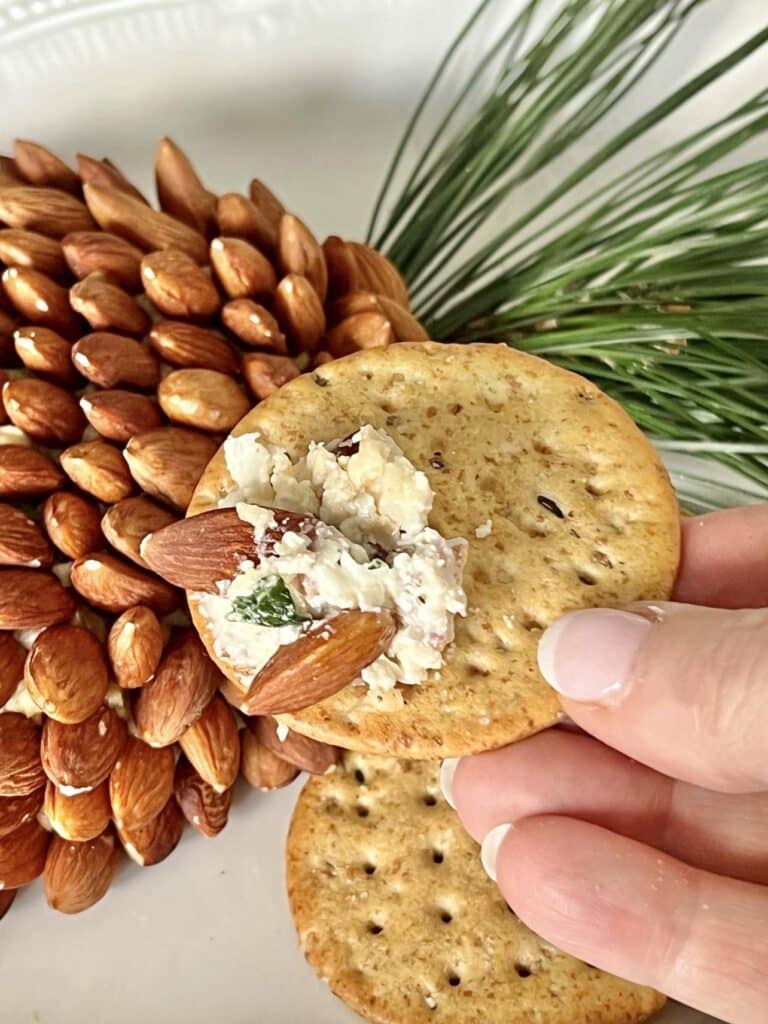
x=491 y=849
x=447 y=775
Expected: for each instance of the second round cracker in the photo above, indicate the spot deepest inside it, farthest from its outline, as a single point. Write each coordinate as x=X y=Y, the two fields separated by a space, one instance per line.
x=563 y=500
x=394 y=911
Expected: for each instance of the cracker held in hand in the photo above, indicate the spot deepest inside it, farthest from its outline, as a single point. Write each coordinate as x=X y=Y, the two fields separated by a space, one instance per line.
x=562 y=502
x=395 y=912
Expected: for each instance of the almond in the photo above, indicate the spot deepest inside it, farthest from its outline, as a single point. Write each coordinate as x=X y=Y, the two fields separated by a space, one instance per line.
x=82 y=756
x=78 y=875
x=197 y=552
x=205 y=399
x=239 y=217
x=167 y=463
x=118 y=415
x=126 y=216
x=177 y=286
x=135 y=647
x=12 y=658
x=241 y=269
x=40 y=299
x=112 y=359
x=269 y=208
x=127 y=523
x=78 y=818
x=354 y=267
x=109 y=583
x=22 y=542
x=104 y=173
x=181 y=192
x=321 y=662
x=16 y=811
x=254 y=325
x=27 y=473
x=46 y=210
x=404 y=324
x=141 y=784
x=262 y=769
x=22 y=855
x=184 y=685
x=212 y=745
x=300 y=253
x=99 y=469
x=34 y=251
x=21 y=772
x=32 y=598
x=98 y=252
x=45 y=412
x=309 y=755
x=186 y=345
x=300 y=309
x=45 y=352
x=67 y=674
x=73 y=523
x=264 y=374
x=156 y=840
x=107 y=307
x=360 y=331
x=42 y=167
x=9 y=172
x=7 y=896
x=204 y=808
x=8 y=325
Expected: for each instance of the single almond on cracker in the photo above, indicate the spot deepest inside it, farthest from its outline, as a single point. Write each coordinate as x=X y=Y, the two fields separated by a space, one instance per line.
x=141 y=783
x=128 y=522
x=205 y=399
x=114 y=585
x=183 y=686
x=21 y=772
x=78 y=818
x=80 y=757
x=152 y=843
x=99 y=469
x=66 y=673
x=204 y=808
x=321 y=662
x=78 y=875
x=212 y=745
x=135 y=646
x=110 y=360
x=73 y=523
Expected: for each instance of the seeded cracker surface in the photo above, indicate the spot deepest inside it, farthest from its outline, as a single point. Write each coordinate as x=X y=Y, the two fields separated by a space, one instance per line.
x=580 y=507
x=394 y=911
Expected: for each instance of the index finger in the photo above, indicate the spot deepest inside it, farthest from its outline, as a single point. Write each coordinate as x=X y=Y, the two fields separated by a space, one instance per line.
x=724 y=559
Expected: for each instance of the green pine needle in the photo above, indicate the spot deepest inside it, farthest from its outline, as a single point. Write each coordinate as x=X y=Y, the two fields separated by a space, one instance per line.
x=647 y=273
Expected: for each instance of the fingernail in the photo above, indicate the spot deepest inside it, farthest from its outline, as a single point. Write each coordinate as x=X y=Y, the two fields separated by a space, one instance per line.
x=489 y=851
x=588 y=655
x=447 y=772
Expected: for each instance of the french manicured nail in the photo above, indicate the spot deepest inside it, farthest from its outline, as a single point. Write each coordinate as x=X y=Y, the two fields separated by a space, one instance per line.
x=489 y=851
x=588 y=655
x=447 y=772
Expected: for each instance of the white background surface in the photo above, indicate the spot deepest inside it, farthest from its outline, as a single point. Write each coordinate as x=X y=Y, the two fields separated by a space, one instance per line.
x=309 y=96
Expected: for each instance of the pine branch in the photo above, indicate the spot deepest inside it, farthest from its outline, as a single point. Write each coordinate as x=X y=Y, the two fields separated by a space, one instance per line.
x=653 y=280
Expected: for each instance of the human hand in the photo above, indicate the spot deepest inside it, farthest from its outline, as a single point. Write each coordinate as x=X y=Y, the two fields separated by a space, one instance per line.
x=644 y=850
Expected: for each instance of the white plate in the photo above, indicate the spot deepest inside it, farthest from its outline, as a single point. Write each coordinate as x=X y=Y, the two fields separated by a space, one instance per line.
x=309 y=95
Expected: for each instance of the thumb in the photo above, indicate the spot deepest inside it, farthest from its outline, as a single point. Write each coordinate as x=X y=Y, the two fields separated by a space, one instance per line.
x=678 y=687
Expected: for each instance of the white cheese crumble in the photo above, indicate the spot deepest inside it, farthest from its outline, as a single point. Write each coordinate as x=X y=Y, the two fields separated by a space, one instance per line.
x=484 y=529
x=22 y=703
x=371 y=549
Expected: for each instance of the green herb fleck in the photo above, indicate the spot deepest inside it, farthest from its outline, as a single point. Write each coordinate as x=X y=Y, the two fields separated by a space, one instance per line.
x=270 y=604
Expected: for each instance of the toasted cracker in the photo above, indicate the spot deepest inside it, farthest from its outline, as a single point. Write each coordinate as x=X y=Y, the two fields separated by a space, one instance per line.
x=496 y=431
x=395 y=912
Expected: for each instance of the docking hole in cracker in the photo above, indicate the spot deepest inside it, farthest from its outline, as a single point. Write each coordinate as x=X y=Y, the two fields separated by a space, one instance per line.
x=394 y=911
x=385 y=539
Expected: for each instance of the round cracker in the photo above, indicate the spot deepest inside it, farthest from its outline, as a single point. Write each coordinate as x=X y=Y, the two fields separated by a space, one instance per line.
x=395 y=912
x=502 y=436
